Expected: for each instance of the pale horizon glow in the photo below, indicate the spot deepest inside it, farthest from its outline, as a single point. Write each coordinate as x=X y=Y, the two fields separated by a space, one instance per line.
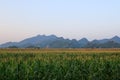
x=73 y=19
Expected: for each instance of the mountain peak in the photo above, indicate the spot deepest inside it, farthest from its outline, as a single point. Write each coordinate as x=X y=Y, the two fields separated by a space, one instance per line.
x=84 y=39
x=52 y=35
x=40 y=35
x=115 y=37
x=83 y=42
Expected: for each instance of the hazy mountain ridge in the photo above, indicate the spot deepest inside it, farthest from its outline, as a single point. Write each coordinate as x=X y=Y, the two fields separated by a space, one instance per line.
x=52 y=41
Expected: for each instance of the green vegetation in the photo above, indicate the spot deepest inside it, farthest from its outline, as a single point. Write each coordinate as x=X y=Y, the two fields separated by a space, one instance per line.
x=59 y=64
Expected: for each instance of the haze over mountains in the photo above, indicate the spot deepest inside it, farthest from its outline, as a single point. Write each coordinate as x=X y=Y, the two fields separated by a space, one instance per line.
x=52 y=41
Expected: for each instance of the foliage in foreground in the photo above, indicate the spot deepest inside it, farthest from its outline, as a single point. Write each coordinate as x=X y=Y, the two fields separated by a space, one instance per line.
x=59 y=65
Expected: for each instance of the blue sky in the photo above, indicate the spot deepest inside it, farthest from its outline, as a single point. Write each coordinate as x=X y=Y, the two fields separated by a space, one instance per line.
x=94 y=19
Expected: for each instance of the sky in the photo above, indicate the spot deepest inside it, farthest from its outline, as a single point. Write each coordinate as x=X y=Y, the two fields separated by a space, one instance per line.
x=73 y=19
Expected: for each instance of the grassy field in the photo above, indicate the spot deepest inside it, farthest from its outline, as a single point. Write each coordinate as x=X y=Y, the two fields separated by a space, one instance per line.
x=59 y=64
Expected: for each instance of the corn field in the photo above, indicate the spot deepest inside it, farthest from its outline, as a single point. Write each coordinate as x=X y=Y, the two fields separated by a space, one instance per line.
x=59 y=64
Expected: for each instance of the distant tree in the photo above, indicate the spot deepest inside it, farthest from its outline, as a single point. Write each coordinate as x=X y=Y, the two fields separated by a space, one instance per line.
x=33 y=47
x=12 y=47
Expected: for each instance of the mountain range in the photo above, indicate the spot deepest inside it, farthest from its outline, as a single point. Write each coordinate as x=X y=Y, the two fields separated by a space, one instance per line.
x=52 y=41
